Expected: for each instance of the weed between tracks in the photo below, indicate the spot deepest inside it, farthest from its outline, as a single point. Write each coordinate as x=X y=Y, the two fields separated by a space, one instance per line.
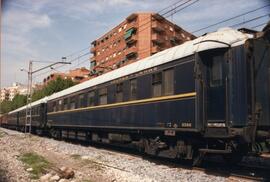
x=38 y=163
x=2 y=134
x=76 y=156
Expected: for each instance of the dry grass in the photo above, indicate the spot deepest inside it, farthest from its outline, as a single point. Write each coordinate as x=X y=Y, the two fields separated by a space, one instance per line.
x=38 y=163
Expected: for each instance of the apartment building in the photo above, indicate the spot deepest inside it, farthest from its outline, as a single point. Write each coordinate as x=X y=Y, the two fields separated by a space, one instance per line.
x=9 y=93
x=140 y=35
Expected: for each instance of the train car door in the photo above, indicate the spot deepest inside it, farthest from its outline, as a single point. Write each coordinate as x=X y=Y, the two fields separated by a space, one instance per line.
x=214 y=76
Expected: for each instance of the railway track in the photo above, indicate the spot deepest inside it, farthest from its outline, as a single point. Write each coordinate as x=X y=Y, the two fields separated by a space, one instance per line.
x=211 y=165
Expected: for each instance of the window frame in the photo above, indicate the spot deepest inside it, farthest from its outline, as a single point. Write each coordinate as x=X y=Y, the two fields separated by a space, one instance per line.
x=133 y=96
x=102 y=93
x=92 y=97
x=164 y=82
x=81 y=98
x=156 y=83
x=119 y=94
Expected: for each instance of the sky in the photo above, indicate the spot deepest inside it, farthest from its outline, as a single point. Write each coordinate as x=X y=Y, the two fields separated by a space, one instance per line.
x=47 y=30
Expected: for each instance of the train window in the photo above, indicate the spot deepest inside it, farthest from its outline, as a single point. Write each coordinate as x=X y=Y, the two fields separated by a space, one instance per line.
x=54 y=106
x=133 y=89
x=156 y=84
x=90 y=98
x=168 y=81
x=65 y=103
x=103 y=96
x=81 y=100
x=60 y=105
x=72 y=103
x=216 y=71
x=119 y=92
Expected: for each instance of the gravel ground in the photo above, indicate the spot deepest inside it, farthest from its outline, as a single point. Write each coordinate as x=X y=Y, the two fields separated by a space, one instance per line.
x=88 y=163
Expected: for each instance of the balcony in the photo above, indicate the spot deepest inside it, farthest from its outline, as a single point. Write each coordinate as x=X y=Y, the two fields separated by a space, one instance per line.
x=176 y=39
x=93 y=58
x=131 y=40
x=177 y=28
x=131 y=52
x=158 y=39
x=157 y=16
x=133 y=24
x=129 y=33
x=156 y=49
x=157 y=26
x=131 y=17
x=94 y=43
x=93 y=50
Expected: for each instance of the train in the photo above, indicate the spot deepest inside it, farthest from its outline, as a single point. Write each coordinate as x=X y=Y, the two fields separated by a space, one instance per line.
x=210 y=95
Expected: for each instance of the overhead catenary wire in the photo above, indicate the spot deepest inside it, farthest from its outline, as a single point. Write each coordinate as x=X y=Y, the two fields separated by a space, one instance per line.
x=250 y=20
x=57 y=67
x=259 y=25
x=231 y=18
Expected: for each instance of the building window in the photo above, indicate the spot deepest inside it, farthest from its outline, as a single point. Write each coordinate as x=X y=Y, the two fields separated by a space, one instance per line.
x=81 y=101
x=156 y=84
x=90 y=98
x=120 y=29
x=72 y=103
x=65 y=103
x=119 y=92
x=133 y=89
x=168 y=82
x=171 y=29
x=103 y=96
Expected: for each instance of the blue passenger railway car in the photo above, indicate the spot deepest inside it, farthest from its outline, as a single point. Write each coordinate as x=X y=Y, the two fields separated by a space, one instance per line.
x=206 y=96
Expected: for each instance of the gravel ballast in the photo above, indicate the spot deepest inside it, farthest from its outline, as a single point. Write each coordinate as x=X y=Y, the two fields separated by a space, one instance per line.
x=88 y=163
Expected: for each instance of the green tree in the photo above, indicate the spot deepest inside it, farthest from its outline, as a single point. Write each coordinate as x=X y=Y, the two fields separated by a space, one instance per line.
x=19 y=101
x=5 y=106
x=52 y=87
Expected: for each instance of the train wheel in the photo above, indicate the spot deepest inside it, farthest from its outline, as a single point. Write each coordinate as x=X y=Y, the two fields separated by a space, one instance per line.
x=55 y=133
x=238 y=152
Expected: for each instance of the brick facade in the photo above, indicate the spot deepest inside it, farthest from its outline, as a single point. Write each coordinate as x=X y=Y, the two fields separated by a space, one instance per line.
x=140 y=35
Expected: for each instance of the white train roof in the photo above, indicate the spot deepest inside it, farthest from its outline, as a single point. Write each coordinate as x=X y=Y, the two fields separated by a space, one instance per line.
x=223 y=38
x=43 y=100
